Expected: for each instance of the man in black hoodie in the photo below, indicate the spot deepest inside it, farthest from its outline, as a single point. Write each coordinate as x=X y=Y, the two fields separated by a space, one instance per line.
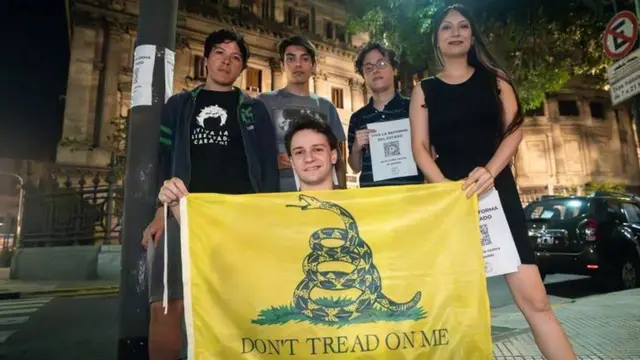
x=214 y=139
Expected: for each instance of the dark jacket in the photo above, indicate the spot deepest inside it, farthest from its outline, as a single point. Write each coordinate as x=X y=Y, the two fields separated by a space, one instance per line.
x=258 y=136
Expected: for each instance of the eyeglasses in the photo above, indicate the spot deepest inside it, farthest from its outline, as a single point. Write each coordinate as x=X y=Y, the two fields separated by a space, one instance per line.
x=381 y=64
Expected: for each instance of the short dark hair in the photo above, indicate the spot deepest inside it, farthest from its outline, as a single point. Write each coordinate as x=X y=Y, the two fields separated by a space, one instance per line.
x=306 y=121
x=367 y=48
x=225 y=36
x=297 y=40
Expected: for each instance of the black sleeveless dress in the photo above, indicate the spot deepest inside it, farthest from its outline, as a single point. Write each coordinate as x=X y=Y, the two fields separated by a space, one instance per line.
x=464 y=128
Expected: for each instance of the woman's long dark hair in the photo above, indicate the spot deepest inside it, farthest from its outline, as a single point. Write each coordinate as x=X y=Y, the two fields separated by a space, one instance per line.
x=480 y=57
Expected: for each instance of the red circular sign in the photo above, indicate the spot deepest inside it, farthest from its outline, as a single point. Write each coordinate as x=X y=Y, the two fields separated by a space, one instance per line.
x=621 y=35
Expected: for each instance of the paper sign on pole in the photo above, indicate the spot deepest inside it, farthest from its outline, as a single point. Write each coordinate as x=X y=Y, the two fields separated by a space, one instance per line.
x=143 y=64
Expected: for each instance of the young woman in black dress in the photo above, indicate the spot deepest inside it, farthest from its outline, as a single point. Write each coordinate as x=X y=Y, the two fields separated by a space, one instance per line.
x=471 y=114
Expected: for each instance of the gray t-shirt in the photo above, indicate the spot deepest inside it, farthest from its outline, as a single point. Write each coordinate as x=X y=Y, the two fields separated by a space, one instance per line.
x=283 y=106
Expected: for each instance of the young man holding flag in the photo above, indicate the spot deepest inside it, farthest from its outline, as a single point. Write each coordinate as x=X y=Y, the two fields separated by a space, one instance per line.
x=214 y=139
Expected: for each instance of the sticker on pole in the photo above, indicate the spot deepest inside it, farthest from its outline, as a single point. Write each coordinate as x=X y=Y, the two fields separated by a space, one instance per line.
x=142 y=82
x=620 y=35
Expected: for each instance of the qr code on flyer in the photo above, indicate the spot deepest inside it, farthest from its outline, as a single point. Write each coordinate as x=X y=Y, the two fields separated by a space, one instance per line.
x=484 y=232
x=391 y=148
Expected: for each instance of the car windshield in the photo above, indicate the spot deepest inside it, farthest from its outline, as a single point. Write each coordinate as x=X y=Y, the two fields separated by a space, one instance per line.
x=555 y=209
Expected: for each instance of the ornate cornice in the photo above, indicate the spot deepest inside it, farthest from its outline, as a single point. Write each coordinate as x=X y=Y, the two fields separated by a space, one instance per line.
x=182 y=42
x=274 y=63
x=356 y=84
x=85 y=12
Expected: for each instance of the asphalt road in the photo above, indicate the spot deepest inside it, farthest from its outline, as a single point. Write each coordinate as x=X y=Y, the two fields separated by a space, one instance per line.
x=86 y=327
x=82 y=328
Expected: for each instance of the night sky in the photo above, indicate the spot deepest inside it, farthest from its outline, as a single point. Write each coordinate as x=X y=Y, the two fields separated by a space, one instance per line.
x=33 y=75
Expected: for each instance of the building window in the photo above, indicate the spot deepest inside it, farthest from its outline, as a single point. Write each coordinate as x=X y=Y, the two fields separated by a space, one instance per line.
x=341 y=33
x=266 y=9
x=329 y=30
x=597 y=110
x=303 y=21
x=289 y=17
x=199 y=68
x=254 y=80
x=568 y=108
x=337 y=97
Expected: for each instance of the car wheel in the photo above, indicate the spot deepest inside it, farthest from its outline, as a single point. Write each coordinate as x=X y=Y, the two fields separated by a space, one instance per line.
x=629 y=272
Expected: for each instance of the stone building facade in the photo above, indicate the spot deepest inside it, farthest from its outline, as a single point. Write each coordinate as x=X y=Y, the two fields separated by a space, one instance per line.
x=103 y=42
x=577 y=137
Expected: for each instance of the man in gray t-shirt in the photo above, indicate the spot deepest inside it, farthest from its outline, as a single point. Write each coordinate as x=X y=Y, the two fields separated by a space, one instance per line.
x=298 y=61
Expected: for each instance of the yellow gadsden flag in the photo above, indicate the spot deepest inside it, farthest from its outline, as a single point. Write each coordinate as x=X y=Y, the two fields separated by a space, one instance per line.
x=376 y=273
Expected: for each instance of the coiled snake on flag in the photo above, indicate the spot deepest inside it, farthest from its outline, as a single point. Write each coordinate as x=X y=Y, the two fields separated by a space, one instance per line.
x=365 y=277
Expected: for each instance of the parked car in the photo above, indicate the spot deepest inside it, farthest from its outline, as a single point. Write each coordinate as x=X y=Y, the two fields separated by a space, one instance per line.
x=596 y=235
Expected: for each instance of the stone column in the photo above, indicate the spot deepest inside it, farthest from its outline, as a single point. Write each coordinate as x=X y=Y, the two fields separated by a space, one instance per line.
x=556 y=139
x=615 y=145
x=321 y=87
x=278 y=10
x=278 y=80
x=111 y=67
x=357 y=95
x=628 y=143
x=312 y=83
x=80 y=97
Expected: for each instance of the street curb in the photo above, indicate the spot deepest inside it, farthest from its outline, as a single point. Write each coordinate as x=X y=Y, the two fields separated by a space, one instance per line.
x=69 y=292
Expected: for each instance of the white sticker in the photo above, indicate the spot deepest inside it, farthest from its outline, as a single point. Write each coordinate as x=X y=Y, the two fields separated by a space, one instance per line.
x=143 y=63
x=169 y=64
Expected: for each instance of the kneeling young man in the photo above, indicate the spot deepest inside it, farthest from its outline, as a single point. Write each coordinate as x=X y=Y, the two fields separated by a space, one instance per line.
x=313 y=151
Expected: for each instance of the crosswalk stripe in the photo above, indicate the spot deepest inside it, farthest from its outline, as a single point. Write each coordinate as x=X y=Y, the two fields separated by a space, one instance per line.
x=16 y=312
x=25 y=301
x=19 y=311
x=13 y=320
x=20 y=306
x=5 y=334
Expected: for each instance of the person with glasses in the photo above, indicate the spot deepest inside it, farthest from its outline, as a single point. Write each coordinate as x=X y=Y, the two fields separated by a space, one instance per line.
x=377 y=64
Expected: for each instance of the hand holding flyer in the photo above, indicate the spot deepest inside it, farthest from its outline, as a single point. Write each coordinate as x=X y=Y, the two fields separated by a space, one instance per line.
x=390 y=147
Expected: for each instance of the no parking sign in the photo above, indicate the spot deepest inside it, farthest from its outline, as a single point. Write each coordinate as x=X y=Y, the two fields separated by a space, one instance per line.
x=620 y=35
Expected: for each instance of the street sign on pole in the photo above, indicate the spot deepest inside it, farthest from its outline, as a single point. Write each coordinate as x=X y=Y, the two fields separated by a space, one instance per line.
x=153 y=63
x=620 y=35
x=624 y=78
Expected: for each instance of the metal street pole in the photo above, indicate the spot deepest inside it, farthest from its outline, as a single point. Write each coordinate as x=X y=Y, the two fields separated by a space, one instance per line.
x=635 y=104
x=157 y=31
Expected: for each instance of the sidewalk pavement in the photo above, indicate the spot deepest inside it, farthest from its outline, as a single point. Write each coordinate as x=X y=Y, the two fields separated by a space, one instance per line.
x=603 y=327
x=16 y=289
